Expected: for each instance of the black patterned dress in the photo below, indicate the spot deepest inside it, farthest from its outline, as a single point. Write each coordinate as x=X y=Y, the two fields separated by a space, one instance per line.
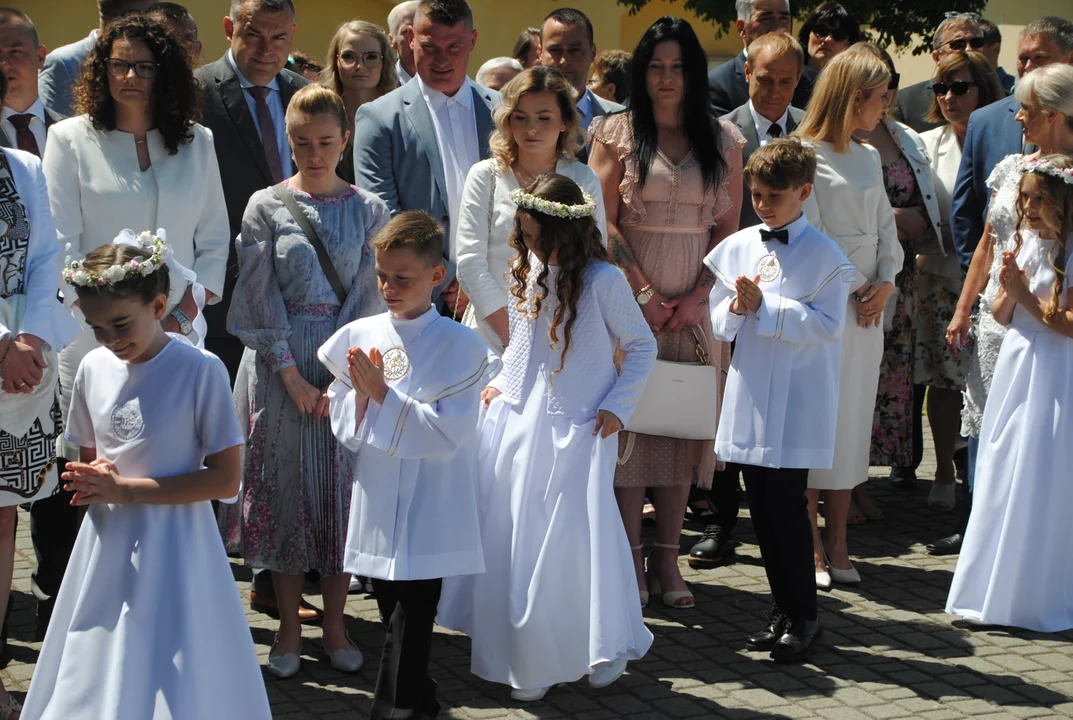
x=27 y=462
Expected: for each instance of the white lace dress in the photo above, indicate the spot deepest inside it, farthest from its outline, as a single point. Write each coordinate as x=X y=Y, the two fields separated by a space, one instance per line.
x=987 y=334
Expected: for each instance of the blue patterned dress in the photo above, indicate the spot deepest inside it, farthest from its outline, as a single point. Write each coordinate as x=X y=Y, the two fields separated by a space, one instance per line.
x=294 y=504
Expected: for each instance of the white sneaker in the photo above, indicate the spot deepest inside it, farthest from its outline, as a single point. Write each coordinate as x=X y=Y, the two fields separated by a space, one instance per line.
x=529 y=695
x=606 y=673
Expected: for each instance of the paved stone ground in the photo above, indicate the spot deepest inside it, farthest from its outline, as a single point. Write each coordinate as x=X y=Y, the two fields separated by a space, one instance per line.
x=888 y=649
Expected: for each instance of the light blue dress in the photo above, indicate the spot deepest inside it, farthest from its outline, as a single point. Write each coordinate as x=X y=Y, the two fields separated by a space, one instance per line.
x=293 y=508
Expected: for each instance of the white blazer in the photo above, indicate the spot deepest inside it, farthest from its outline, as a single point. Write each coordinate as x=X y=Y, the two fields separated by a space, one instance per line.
x=96 y=189
x=945 y=153
x=482 y=248
x=916 y=153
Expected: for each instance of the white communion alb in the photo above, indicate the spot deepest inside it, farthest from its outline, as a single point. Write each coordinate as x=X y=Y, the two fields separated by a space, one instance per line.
x=1014 y=568
x=559 y=596
x=781 y=402
x=148 y=623
x=413 y=515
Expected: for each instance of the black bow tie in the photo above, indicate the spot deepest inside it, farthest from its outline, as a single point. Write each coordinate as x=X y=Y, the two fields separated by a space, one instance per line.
x=782 y=236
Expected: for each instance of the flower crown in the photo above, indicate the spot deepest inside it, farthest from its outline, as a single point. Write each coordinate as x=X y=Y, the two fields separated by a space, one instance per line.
x=155 y=243
x=1045 y=166
x=556 y=209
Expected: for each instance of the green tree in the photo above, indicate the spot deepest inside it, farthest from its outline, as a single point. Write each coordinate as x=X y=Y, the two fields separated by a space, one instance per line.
x=903 y=23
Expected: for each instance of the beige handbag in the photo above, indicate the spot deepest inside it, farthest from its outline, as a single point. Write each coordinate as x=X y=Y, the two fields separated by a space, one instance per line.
x=680 y=399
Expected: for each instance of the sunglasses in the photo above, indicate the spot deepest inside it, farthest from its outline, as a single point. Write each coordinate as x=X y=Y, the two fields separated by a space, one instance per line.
x=975 y=43
x=959 y=88
x=895 y=78
x=836 y=34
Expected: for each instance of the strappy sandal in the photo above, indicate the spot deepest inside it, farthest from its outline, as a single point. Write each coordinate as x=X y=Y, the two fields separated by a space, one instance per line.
x=642 y=593
x=671 y=598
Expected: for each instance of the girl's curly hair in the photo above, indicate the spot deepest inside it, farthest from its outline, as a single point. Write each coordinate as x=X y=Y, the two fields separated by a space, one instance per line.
x=576 y=242
x=176 y=97
x=1057 y=214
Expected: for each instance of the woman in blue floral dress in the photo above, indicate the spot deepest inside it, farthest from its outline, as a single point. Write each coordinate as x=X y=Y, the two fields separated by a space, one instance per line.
x=292 y=512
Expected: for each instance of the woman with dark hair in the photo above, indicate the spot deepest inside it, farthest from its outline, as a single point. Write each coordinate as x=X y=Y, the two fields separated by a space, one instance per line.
x=527 y=47
x=360 y=67
x=827 y=31
x=671 y=178
x=136 y=158
x=964 y=82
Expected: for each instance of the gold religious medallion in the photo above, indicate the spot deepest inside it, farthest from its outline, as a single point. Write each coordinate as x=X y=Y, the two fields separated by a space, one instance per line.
x=768 y=268
x=396 y=363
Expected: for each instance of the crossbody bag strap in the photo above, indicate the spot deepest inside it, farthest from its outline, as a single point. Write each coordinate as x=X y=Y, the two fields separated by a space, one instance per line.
x=287 y=198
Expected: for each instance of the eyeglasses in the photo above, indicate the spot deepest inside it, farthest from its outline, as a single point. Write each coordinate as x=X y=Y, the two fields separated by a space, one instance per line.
x=369 y=59
x=955 y=13
x=958 y=45
x=144 y=69
x=895 y=78
x=836 y=34
x=959 y=88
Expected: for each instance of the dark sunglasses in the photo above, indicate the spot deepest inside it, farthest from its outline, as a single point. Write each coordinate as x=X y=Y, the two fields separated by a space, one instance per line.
x=895 y=78
x=975 y=43
x=959 y=88
x=836 y=34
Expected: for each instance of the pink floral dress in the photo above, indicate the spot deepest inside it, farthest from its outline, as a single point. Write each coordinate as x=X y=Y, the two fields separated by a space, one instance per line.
x=667 y=225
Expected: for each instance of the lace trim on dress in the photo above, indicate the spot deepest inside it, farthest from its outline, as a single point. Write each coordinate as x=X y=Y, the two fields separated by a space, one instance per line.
x=321 y=199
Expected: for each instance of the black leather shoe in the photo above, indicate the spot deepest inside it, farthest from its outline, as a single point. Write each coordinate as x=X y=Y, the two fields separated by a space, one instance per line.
x=903 y=478
x=950 y=545
x=715 y=548
x=765 y=639
x=796 y=643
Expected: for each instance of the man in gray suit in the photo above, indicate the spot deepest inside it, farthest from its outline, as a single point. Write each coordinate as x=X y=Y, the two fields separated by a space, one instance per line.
x=773 y=69
x=64 y=64
x=566 y=44
x=414 y=146
x=958 y=33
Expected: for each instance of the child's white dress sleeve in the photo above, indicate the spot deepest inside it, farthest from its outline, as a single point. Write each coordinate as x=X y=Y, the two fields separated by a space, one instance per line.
x=218 y=427
x=725 y=324
x=346 y=415
x=79 y=428
x=624 y=320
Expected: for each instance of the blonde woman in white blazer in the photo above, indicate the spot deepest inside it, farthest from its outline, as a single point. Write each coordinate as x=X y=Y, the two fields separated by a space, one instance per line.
x=849 y=204
x=136 y=159
x=537 y=131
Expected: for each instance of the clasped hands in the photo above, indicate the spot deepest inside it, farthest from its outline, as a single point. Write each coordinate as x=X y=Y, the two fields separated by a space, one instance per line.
x=96 y=482
x=870 y=303
x=664 y=314
x=367 y=373
x=1012 y=279
x=23 y=365
x=749 y=295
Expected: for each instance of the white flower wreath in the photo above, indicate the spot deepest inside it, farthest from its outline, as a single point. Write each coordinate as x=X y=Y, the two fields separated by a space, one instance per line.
x=75 y=274
x=556 y=209
x=1045 y=166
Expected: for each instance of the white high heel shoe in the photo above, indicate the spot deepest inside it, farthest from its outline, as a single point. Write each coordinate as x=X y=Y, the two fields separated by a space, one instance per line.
x=843 y=577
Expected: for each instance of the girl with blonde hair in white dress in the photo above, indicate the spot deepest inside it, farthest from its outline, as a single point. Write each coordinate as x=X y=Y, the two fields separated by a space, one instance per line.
x=558 y=599
x=538 y=130
x=849 y=204
x=1014 y=565
x=130 y=636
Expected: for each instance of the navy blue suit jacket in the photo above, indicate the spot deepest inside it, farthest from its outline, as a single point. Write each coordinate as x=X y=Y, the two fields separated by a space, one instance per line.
x=992 y=135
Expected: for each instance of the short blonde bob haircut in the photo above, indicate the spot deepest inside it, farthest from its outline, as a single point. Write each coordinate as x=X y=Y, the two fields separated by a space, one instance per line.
x=536 y=79
x=389 y=79
x=847 y=81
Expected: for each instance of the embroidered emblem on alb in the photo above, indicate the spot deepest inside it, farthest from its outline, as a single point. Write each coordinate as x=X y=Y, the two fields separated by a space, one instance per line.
x=396 y=363
x=127 y=423
x=768 y=268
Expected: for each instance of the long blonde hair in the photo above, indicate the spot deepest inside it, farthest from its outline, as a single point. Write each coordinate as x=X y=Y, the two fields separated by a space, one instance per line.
x=535 y=80
x=389 y=79
x=1057 y=215
x=846 y=81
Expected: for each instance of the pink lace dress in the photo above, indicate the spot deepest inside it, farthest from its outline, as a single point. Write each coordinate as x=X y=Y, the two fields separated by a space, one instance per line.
x=667 y=225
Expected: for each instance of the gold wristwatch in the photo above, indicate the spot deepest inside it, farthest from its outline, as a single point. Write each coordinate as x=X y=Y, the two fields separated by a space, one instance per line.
x=644 y=294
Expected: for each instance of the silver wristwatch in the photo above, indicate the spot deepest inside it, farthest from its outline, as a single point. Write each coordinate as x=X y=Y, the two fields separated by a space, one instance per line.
x=186 y=325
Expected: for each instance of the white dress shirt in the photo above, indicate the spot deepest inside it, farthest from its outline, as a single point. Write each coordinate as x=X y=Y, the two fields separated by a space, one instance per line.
x=456 y=137
x=404 y=77
x=275 y=108
x=763 y=125
x=37 y=124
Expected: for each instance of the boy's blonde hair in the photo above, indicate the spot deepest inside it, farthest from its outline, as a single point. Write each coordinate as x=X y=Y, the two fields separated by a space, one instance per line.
x=413 y=230
x=782 y=164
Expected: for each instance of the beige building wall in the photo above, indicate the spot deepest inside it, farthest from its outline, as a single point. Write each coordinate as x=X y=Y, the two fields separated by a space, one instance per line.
x=499 y=22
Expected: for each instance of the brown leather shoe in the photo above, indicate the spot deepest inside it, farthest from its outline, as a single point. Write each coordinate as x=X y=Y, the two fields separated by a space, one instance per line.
x=267 y=604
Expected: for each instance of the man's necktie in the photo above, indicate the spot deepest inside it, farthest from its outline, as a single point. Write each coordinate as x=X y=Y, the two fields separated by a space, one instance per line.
x=782 y=236
x=268 y=132
x=24 y=137
x=775 y=130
